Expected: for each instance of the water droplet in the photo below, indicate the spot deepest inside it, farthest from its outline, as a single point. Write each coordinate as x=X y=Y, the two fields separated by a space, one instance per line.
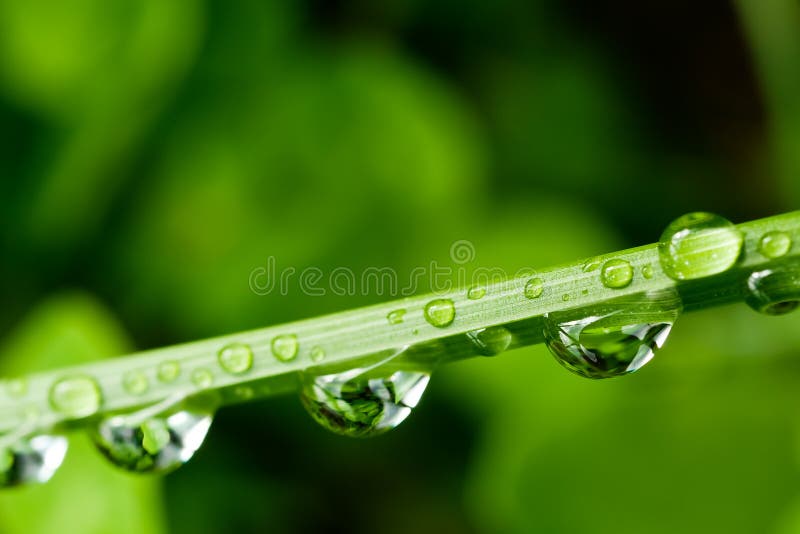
x=774 y=291
x=16 y=387
x=616 y=273
x=698 y=245
x=616 y=340
x=169 y=371
x=317 y=354
x=440 y=312
x=565 y=297
x=202 y=378
x=647 y=271
x=135 y=383
x=31 y=460
x=360 y=406
x=534 y=288
x=490 y=341
x=236 y=358
x=153 y=444
x=244 y=392
x=285 y=347
x=395 y=316
x=775 y=244
x=75 y=396
x=591 y=265
x=476 y=292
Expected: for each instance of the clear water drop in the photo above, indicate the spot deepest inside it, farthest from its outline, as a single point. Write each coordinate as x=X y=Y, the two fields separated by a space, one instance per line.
x=476 y=292
x=774 y=291
x=75 y=396
x=440 y=312
x=396 y=316
x=566 y=297
x=155 y=444
x=135 y=383
x=168 y=371
x=236 y=358
x=591 y=265
x=285 y=347
x=491 y=341
x=698 y=245
x=317 y=354
x=361 y=406
x=31 y=460
x=202 y=378
x=616 y=273
x=774 y=244
x=647 y=271
x=534 y=288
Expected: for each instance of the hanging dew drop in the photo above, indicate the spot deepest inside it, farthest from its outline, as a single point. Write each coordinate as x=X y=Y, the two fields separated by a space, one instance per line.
x=359 y=406
x=774 y=291
x=156 y=444
x=490 y=341
x=75 y=396
x=534 y=288
x=699 y=245
x=616 y=273
x=31 y=460
x=135 y=383
x=774 y=244
x=440 y=312
x=236 y=358
x=285 y=347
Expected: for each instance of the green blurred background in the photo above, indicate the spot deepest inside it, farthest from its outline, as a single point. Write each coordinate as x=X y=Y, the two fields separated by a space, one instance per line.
x=152 y=154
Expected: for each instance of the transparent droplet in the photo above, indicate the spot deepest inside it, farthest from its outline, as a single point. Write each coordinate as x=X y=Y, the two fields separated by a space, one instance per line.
x=236 y=358
x=647 y=271
x=698 y=245
x=774 y=291
x=616 y=273
x=75 y=396
x=202 y=378
x=440 y=312
x=775 y=244
x=31 y=460
x=285 y=347
x=362 y=406
x=153 y=444
x=612 y=339
x=490 y=341
x=169 y=371
x=591 y=265
x=534 y=288
x=566 y=297
x=395 y=316
x=135 y=383
x=476 y=292
x=317 y=354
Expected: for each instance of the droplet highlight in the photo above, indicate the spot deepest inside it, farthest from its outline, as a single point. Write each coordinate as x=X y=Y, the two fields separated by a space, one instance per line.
x=236 y=358
x=698 y=245
x=440 y=312
x=31 y=460
x=75 y=396
x=285 y=347
x=490 y=341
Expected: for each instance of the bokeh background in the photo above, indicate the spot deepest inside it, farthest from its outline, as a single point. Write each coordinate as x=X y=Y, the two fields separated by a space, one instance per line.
x=152 y=154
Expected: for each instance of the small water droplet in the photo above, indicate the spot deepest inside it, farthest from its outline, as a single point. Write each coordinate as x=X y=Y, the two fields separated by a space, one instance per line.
x=153 y=444
x=476 y=292
x=395 y=316
x=135 y=382
x=491 y=341
x=285 y=347
x=565 y=297
x=353 y=405
x=31 y=460
x=647 y=271
x=244 y=392
x=775 y=244
x=202 y=378
x=440 y=312
x=236 y=358
x=534 y=288
x=774 y=291
x=699 y=245
x=16 y=387
x=591 y=265
x=75 y=396
x=616 y=273
x=169 y=371
x=317 y=354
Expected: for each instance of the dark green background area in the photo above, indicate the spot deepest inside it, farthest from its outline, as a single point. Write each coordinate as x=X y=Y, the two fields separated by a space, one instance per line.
x=153 y=154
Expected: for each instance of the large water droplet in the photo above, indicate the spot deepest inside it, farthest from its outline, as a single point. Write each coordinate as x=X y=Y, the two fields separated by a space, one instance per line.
x=75 y=396
x=774 y=291
x=440 y=312
x=490 y=341
x=31 y=460
x=775 y=244
x=236 y=358
x=698 y=245
x=616 y=273
x=285 y=347
x=152 y=444
x=363 y=402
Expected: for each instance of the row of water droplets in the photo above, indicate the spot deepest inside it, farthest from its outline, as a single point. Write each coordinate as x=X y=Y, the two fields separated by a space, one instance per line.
x=611 y=339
